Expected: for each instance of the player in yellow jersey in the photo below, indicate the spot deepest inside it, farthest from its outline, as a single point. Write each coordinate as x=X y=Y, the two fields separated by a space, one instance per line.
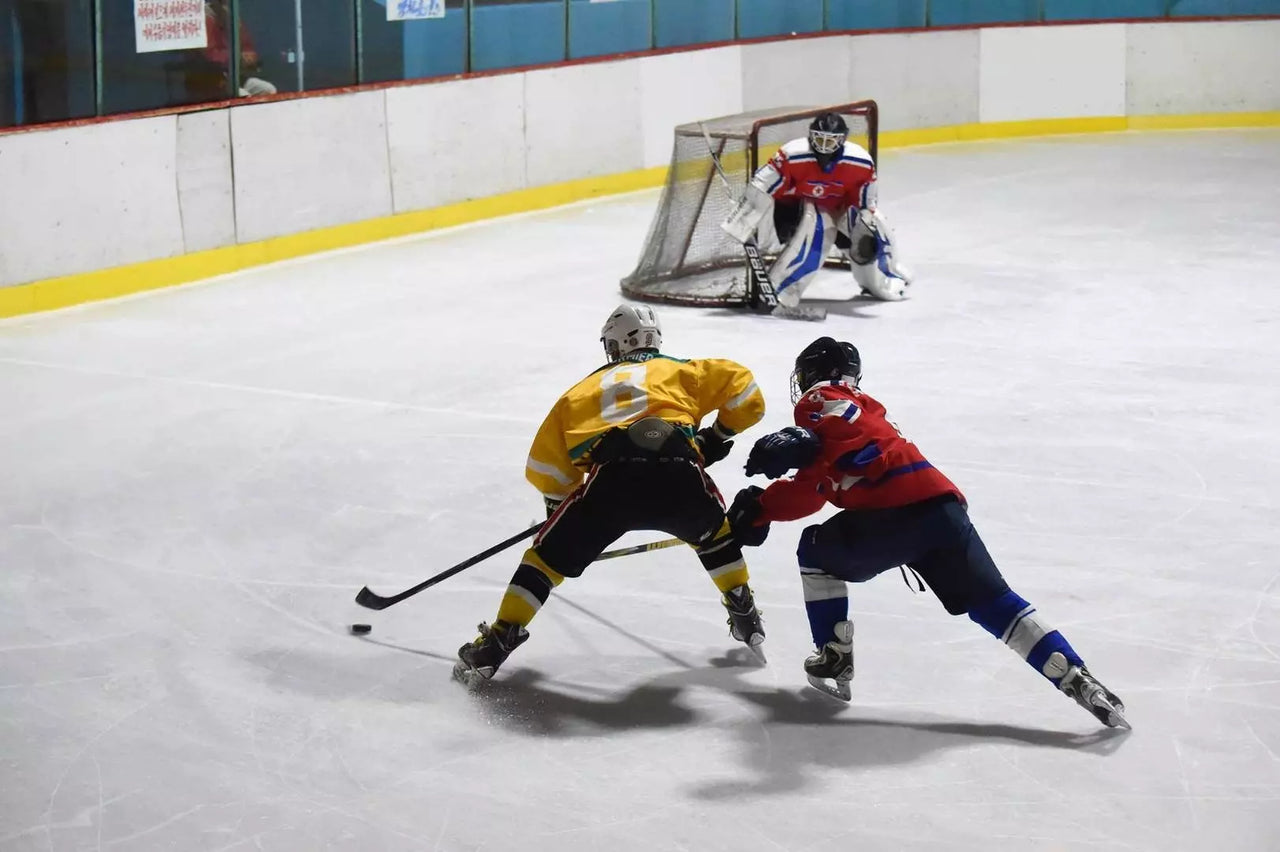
x=622 y=450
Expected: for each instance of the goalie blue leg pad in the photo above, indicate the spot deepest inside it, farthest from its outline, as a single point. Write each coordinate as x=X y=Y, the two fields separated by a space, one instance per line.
x=1017 y=624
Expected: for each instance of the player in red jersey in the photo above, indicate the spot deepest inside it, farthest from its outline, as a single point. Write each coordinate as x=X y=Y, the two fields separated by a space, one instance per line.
x=897 y=509
x=822 y=191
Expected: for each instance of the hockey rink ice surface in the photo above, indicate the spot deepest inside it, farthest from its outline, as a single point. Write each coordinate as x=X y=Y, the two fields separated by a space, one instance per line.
x=194 y=483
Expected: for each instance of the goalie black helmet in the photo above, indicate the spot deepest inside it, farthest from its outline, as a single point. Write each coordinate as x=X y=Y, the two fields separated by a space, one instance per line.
x=823 y=360
x=827 y=135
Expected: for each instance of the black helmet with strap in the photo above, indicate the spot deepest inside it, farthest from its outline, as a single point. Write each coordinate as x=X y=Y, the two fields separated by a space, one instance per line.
x=825 y=359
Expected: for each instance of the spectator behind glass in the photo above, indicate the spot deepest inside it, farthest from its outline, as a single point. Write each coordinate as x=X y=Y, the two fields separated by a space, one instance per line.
x=207 y=76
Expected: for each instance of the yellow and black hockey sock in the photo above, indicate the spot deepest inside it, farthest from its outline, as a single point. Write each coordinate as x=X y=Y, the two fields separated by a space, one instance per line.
x=529 y=589
x=722 y=559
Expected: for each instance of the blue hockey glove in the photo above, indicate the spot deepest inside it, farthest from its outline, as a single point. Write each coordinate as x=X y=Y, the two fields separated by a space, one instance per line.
x=742 y=517
x=784 y=450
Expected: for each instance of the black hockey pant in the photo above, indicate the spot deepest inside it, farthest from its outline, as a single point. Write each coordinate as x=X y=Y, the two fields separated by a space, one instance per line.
x=674 y=496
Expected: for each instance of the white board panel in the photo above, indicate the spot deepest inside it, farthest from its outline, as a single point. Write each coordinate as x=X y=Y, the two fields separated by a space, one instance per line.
x=85 y=198
x=204 y=180
x=1051 y=72
x=676 y=88
x=803 y=72
x=582 y=121
x=309 y=164
x=436 y=134
x=1220 y=66
x=918 y=79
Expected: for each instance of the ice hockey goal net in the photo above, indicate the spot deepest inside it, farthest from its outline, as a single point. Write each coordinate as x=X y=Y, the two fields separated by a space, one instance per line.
x=687 y=258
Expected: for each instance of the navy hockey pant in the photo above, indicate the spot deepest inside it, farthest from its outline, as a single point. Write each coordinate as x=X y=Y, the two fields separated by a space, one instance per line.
x=934 y=537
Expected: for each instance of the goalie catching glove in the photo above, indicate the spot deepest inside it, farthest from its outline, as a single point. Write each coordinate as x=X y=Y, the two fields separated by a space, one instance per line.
x=787 y=449
x=742 y=517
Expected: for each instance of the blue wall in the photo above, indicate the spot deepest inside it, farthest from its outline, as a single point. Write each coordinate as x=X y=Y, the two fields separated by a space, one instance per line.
x=875 y=14
x=954 y=13
x=511 y=35
x=436 y=47
x=1214 y=8
x=677 y=22
x=598 y=29
x=1067 y=10
x=761 y=18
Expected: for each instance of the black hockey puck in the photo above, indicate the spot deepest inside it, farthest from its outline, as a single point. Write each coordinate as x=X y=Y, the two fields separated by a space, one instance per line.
x=361 y=629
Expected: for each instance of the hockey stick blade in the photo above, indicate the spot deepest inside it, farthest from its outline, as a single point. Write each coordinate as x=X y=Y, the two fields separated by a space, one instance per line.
x=810 y=313
x=369 y=599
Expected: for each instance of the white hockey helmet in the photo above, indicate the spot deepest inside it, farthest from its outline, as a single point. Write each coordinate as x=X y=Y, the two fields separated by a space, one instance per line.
x=629 y=328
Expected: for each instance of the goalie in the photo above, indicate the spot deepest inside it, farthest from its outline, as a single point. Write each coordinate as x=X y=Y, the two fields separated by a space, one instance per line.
x=821 y=191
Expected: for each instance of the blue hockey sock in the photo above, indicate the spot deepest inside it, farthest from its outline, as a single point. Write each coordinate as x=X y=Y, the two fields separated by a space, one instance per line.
x=826 y=604
x=1017 y=624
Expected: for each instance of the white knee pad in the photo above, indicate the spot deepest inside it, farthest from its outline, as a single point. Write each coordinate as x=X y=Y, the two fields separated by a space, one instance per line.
x=803 y=256
x=881 y=276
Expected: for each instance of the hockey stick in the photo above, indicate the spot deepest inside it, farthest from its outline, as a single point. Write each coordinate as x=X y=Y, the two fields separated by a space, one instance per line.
x=761 y=285
x=640 y=548
x=368 y=599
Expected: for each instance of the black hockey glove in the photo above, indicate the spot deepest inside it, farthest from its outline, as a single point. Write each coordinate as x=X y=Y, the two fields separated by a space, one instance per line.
x=742 y=517
x=552 y=504
x=784 y=450
x=712 y=446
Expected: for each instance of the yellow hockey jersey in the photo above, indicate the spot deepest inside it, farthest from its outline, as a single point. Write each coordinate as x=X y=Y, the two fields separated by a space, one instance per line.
x=646 y=384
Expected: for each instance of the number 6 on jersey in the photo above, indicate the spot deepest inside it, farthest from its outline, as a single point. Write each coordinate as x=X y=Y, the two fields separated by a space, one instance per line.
x=623 y=394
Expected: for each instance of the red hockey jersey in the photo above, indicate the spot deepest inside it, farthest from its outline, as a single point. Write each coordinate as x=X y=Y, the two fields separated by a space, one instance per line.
x=793 y=172
x=864 y=463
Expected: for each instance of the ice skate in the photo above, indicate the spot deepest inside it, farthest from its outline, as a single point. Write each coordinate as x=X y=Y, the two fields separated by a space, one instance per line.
x=1104 y=704
x=745 y=623
x=480 y=660
x=830 y=669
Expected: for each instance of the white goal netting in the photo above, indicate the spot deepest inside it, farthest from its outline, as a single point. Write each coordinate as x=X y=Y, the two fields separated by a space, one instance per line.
x=687 y=258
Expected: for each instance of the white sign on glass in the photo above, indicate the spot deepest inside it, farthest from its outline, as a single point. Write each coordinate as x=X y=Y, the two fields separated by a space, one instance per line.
x=414 y=10
x=169 y=25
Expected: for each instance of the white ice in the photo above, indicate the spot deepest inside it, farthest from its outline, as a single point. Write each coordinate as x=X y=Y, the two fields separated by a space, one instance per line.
x=194 y=484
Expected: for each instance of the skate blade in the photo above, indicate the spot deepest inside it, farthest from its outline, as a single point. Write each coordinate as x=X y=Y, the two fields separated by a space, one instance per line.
x=757 y=650
x=1115 y=718
x=469 y=677
x=839 y=689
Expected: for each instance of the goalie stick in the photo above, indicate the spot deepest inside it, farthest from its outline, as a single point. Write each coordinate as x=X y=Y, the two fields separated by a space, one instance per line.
x=369 y=599
x=761 y=294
